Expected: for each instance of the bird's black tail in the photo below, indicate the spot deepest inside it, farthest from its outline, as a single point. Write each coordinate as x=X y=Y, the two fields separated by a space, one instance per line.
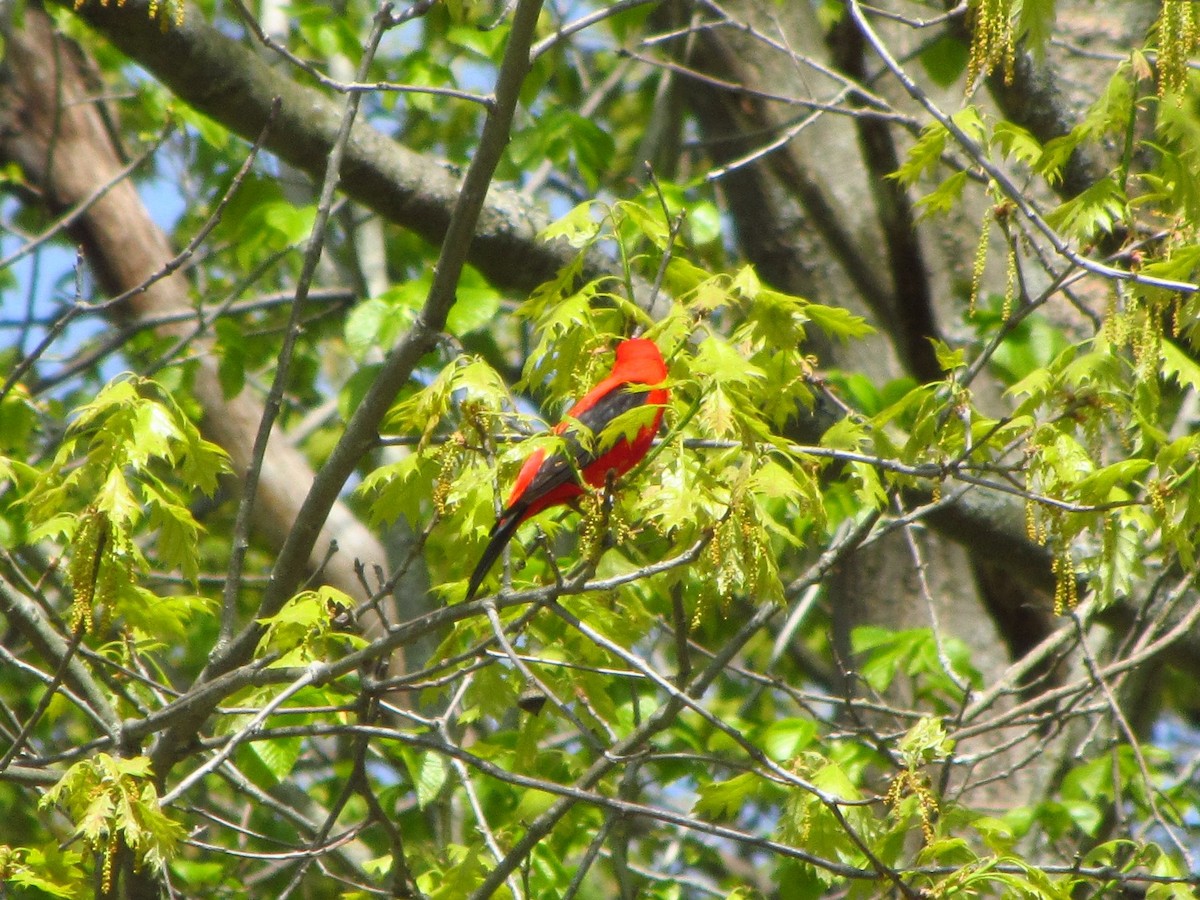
x=502 y=532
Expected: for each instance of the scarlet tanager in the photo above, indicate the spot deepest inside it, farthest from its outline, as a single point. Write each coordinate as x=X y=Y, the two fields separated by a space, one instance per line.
x=546 y=481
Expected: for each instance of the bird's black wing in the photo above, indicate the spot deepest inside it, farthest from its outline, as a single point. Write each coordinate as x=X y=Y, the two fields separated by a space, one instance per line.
x=562 y=466
x=557 y=469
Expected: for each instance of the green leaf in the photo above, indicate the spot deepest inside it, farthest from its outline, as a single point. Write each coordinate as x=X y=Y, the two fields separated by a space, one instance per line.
x=972 y=124
x=684 y=277
x=913 y=652
x=924 y=155
x=1028 y=349
x=153 y=433
x=1180 y=264
x=1179 y=366
x=1017 y=142
x=107 y=795
x=116 y=499
x=327 y=36
x=1111 y=111
x=625 y=426
x=278 y=755
x=567 y=139
x=801 y=881
x=18 y=419
x=945 y=197
x=178 y=533
x=303 y=631
x=926 y=742
x=838 y=322
x=421 y=68
x=784 y=738
x=846 y=434
x=1099 y=485
x=716 y=360
x=1056 y=152
x=944 y=59
x=292 y=223
x=258 y=220
x=475 y=307
x=886 y=654
x=704 y=223
x=1175 y=186
x=1035 y=21
x=430 y=777
x=396 y=489
x=832 y=778
x=1097 y=210
x=726 y=799
x=948 y=358
x=650 y=225
x=380 y=321
x=997 y=834
x=577 y=227
x=48 y=869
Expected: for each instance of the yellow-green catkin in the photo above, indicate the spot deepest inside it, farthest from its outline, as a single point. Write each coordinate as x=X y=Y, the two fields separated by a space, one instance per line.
x=908 y=781
x=108 y=867
x=589 y=525
x=1066 y=591
x=449 y=457
x=1158 y=491
x=1114 y=325
x=992 y=40
x=88 y=547
x=1147 y=340
x=1177 y=38
x=1036 y=526
x=1010 y=284
x=980 y=262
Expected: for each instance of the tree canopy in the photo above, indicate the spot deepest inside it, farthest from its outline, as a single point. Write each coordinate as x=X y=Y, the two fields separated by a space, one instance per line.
x=901 y=603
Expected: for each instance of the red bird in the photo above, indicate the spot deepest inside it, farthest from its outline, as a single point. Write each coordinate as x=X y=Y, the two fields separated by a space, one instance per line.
x=548 y=481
